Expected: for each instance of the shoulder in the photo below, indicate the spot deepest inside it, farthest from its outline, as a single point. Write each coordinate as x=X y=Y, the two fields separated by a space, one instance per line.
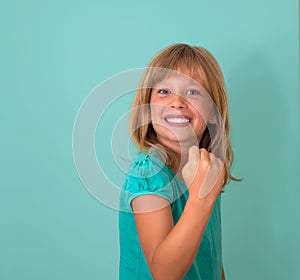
x=147 y=165
x=148 y=175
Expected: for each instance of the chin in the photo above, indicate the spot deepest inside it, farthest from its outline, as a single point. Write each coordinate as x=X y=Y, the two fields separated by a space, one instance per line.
x=178 y=142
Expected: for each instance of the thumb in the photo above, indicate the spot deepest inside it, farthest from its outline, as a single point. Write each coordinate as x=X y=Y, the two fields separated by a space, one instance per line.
x=194 y=155
x=189 y=170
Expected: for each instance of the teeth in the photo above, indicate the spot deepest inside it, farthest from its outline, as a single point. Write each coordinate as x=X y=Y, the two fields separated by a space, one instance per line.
x=178 y=120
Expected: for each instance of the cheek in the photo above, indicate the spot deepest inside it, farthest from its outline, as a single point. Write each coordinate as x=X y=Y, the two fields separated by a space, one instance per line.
x=156 y=112
x=202 y=110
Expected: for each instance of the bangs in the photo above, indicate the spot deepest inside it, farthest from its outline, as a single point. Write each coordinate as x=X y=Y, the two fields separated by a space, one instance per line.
x=184 y=59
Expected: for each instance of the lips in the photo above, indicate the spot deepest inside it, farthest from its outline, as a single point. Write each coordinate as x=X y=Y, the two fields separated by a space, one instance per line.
x=178 y=120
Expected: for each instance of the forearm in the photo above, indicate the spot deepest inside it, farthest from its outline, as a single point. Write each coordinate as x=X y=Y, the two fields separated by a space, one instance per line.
x=170 y=250
x=172 y=258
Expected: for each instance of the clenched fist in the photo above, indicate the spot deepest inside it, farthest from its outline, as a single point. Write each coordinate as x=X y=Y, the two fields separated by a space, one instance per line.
x=203 y=172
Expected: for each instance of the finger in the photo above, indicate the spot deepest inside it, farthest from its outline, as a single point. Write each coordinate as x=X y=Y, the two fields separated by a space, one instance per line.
x=218 y=163
x=189 y=170
x=194 y=154
x=211 y=179
x=204 y=159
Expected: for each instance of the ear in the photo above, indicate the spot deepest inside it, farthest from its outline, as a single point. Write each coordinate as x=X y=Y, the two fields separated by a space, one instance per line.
x=212 y=119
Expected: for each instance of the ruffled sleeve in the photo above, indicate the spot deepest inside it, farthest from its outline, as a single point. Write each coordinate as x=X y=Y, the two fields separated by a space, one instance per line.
x=147 y=175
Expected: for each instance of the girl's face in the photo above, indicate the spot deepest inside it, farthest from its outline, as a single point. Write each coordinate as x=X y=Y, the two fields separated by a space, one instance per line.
x=179 y=108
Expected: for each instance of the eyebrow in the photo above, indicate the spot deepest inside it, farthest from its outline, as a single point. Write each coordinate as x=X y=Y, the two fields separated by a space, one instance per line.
x=163 y=85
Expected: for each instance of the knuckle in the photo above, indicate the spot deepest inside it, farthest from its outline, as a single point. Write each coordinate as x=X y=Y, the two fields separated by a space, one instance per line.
x=204 y=163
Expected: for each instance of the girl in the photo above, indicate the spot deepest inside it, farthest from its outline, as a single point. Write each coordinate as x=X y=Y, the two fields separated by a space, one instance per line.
x=171 y=225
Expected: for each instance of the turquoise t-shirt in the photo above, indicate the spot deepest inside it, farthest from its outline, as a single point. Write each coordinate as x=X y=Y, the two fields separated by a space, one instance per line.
x=148 y=175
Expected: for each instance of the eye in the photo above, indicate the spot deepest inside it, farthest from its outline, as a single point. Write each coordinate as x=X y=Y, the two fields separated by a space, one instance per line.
x=164 y=91
x=192 y=92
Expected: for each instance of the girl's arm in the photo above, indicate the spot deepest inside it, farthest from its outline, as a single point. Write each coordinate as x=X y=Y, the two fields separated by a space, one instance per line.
x=170 y=250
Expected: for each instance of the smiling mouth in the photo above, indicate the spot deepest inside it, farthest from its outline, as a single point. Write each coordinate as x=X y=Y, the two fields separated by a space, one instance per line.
x=177 y=120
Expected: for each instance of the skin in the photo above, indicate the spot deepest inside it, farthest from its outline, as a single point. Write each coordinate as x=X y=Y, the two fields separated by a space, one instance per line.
x=179 y=97
x=160 y=239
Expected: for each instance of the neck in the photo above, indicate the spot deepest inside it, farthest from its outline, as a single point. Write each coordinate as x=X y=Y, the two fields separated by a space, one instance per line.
x=181 y=154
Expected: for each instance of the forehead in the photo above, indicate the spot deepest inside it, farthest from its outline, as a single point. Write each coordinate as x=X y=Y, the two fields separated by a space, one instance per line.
x=194 y=73
x=180 y=78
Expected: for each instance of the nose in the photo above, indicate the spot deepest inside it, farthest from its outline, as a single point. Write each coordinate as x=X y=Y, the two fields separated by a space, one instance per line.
x=178 y=102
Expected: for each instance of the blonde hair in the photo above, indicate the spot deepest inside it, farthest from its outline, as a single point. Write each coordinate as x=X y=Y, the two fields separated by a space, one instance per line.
x=200 y=65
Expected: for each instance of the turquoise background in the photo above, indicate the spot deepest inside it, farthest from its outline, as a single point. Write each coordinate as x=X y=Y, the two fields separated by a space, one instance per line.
x=53 y=53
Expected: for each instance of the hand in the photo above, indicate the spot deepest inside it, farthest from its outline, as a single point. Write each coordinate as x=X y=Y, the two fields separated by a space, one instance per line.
x=203 y=173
